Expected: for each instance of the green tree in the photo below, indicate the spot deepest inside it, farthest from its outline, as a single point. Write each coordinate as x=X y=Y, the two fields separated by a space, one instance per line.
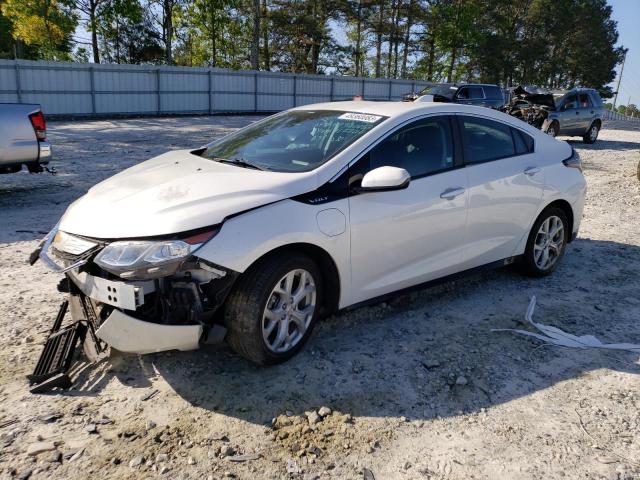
x=47 y=25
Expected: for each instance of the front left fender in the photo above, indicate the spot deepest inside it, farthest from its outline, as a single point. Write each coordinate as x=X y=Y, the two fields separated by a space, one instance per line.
x=249 y=236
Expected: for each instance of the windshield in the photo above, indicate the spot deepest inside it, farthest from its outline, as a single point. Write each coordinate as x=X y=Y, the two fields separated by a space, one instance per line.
x=444 y=90
x=294 y=141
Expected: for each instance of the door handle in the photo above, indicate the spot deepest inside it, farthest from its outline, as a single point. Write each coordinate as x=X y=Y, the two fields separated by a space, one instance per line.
x=451 y=193
x=531 y=171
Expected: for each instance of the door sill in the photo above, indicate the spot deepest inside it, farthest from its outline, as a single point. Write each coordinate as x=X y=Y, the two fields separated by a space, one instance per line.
x=438 y=281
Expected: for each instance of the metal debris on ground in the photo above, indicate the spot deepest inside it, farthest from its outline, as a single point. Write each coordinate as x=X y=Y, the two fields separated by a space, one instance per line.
x=555 y=336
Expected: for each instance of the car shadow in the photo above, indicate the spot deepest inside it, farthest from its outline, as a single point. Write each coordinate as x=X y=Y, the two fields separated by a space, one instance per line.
x=424 y=354
x=605 y=144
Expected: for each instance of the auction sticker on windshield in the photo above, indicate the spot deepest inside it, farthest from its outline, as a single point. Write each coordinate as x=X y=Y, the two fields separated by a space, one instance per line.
x=360 y=117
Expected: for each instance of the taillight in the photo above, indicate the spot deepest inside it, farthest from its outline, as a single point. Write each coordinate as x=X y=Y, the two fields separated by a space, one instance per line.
x=573 y=161
x=39 y=125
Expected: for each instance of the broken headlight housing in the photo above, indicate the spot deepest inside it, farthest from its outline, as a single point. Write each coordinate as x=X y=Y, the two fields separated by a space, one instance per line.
x=149 y=259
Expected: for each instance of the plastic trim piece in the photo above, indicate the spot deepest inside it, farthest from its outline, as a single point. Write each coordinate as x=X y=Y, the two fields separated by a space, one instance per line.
x=131 y=335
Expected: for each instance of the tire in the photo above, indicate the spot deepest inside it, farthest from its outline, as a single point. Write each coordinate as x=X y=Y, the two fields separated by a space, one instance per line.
x=533 y=259
x=553 y=129
x=245 y=312
x=592 y=134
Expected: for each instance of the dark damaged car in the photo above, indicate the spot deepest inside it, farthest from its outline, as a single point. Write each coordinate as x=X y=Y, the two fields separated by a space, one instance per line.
x=577 y=112
x=481 y=95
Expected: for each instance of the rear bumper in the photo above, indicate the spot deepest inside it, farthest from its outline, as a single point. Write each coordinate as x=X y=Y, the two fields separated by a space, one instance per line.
x=44 y=152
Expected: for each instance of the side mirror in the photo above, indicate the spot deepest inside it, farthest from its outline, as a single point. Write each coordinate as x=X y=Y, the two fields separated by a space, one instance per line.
x=385 y=178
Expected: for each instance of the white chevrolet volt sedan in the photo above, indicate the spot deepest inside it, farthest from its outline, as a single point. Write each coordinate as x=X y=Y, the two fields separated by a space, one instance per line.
x=254 y=237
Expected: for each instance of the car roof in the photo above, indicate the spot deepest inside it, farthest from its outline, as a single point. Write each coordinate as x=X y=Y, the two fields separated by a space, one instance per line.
x=395 y=109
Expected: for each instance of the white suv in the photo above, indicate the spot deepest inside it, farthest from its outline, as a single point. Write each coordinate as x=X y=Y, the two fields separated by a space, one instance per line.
x=255 y=236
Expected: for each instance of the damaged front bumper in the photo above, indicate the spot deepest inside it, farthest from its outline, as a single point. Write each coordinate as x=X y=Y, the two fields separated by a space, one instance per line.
x=178 y=312
x=128 y=334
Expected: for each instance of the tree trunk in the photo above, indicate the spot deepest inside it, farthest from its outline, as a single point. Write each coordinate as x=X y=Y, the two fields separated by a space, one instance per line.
x=93 y=5
x=452 y=63
x=358 y=38
x=394 y=13
x=168 y=30
x=407 y=38
x=214 y=53
x=265 y=37
x=432 y=57
x=379 y=40
x=255 y=36
x=396 y=40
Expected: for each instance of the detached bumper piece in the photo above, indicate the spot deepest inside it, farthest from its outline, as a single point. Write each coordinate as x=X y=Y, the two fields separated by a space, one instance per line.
x=57 y=355
x=56 y=359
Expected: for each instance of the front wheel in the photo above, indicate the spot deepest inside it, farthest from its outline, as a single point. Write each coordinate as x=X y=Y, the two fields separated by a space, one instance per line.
x=553 y=129
x=273 y=308
x=546 y=243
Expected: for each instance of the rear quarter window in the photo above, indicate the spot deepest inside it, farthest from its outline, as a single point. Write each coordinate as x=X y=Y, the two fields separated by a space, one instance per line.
x=523 y=142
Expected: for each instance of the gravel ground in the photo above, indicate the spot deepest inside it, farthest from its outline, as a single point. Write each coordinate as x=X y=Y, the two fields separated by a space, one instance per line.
x=417 y=388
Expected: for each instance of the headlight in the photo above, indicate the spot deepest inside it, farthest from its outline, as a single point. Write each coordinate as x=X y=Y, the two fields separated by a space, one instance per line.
x=146 y=259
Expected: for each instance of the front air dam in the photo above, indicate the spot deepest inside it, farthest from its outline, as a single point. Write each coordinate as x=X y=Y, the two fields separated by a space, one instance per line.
x=131 y=335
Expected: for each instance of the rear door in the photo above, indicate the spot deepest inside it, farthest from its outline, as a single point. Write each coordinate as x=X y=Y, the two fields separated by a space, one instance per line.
x=405 y=237
x=505 y=181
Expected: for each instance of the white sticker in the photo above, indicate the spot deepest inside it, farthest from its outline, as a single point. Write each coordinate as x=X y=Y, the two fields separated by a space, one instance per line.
x=360 y=117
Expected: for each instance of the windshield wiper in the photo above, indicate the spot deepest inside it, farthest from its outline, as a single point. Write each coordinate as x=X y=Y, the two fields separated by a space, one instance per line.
x=240 y=163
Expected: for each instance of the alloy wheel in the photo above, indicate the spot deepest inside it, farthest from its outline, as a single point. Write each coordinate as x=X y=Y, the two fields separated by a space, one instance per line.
x=593 y=133
x=289 y=311
x=549 y=243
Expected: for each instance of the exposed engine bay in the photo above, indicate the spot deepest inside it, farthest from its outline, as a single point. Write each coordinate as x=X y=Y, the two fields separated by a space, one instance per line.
x=531 y=104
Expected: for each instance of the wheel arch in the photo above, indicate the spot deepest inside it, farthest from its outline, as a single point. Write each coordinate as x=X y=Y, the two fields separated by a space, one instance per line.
x=568 y=211
x=328 y=268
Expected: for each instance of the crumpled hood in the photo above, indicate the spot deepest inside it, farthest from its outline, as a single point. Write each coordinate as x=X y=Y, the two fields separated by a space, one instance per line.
x=535 y=95
x=176 y=192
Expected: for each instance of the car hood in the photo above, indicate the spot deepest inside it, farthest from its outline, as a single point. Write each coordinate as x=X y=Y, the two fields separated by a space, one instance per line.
x=535 y=95
x=176 y=192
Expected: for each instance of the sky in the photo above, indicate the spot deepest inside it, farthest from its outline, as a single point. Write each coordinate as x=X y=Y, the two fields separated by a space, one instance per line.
x=627 y=14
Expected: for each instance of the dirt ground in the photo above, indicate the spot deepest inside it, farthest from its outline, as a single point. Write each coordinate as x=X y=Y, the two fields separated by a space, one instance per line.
x=418 y=388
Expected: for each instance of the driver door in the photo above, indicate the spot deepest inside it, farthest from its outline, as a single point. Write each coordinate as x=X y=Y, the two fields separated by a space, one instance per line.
x=404 y=237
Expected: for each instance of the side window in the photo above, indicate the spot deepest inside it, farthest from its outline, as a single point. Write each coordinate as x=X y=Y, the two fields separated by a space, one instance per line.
x=571 y=102
x=493 y=93
x=584 y=100
x=475 y=93
x=422 y=147
x=524 y=143
x=486 y=140
x=463 y=93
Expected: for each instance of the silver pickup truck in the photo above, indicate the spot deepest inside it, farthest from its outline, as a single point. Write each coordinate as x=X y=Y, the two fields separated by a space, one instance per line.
x=23 y=138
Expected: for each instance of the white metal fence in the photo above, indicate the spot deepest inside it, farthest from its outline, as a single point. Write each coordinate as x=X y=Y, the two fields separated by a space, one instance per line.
x=68 y=89
x=610 y=115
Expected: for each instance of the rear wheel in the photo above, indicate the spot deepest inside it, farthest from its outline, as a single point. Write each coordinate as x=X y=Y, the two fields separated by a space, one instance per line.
x=272 y=311
x=592 y=134
x=546 y=243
